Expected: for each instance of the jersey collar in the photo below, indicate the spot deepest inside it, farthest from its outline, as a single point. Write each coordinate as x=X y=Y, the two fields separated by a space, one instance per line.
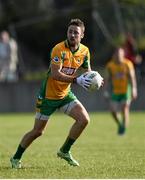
x=67 y=45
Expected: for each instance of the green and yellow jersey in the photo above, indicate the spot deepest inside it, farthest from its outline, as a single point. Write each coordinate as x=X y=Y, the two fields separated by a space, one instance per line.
x=120 y=75
x=69 y=62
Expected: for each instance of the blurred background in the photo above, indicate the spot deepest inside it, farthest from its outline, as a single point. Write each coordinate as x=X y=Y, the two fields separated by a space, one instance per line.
x=35 y=26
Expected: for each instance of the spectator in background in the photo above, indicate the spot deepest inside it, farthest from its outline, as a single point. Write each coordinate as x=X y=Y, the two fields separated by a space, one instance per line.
x=130 y=50
x=8 y=57
x=5 y=53
x=123 y=88
x=132 y=54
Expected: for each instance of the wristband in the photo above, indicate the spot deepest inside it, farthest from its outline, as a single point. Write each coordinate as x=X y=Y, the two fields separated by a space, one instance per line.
x=75 y=80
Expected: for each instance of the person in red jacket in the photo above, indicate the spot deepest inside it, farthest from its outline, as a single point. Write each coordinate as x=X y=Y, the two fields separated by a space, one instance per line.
x=131 y=53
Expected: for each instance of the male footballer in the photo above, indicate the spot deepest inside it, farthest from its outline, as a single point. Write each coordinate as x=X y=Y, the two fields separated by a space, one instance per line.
x=122 y=80
x=55 y=93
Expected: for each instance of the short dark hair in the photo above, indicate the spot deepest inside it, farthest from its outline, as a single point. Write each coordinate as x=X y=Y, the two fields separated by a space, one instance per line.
x=77 y=22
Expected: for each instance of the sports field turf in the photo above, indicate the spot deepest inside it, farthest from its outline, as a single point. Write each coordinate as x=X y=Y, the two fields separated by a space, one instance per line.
x=100 y=151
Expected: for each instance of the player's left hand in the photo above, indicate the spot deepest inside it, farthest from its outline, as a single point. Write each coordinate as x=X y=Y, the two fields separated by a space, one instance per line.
x=83 y=81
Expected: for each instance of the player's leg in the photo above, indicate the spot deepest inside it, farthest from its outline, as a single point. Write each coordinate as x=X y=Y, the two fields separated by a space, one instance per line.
x=27 y=139
x=125 y=103
x=125 y=106
x=77 y=111
x=37 y=131
x=114 y=108
x=41 y=119
x=81 y=117
x=115 y=112
x=125 y=113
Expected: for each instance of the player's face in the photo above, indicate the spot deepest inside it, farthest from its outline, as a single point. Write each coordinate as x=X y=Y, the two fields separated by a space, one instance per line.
x=74 y=35
x=120 y=55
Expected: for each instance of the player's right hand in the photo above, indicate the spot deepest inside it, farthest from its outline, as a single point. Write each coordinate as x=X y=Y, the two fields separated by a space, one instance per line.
x=134 y=93
x=83 y=82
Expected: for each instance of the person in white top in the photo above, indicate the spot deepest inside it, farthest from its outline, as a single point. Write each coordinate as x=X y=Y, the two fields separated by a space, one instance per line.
x=8 y=57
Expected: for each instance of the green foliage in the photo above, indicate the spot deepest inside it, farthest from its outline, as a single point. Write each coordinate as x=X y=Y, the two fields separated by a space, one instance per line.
x=141 y=43
x=100 y=151
x=133 y=2
x=39 y=25
x=119 y=40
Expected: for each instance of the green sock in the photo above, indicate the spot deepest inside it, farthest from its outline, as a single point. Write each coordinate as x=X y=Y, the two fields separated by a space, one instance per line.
x=19 y=152
x=67 y=145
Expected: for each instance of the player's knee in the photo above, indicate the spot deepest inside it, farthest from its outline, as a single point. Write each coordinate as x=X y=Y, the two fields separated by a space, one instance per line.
x=87 y=121
x=37 y=133
x=84 y=121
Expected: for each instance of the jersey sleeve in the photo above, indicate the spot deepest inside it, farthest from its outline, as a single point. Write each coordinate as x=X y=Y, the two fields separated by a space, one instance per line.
x=55 y=56
x=86 y=62
x=130 y=66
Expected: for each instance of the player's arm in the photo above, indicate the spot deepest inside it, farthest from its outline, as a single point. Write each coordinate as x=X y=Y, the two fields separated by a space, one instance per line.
x=57 y=74
x=60 y=76
x=56 y=66
x=132 y=77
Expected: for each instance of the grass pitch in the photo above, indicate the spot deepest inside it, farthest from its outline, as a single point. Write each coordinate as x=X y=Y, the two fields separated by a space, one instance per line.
x=99 y=150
